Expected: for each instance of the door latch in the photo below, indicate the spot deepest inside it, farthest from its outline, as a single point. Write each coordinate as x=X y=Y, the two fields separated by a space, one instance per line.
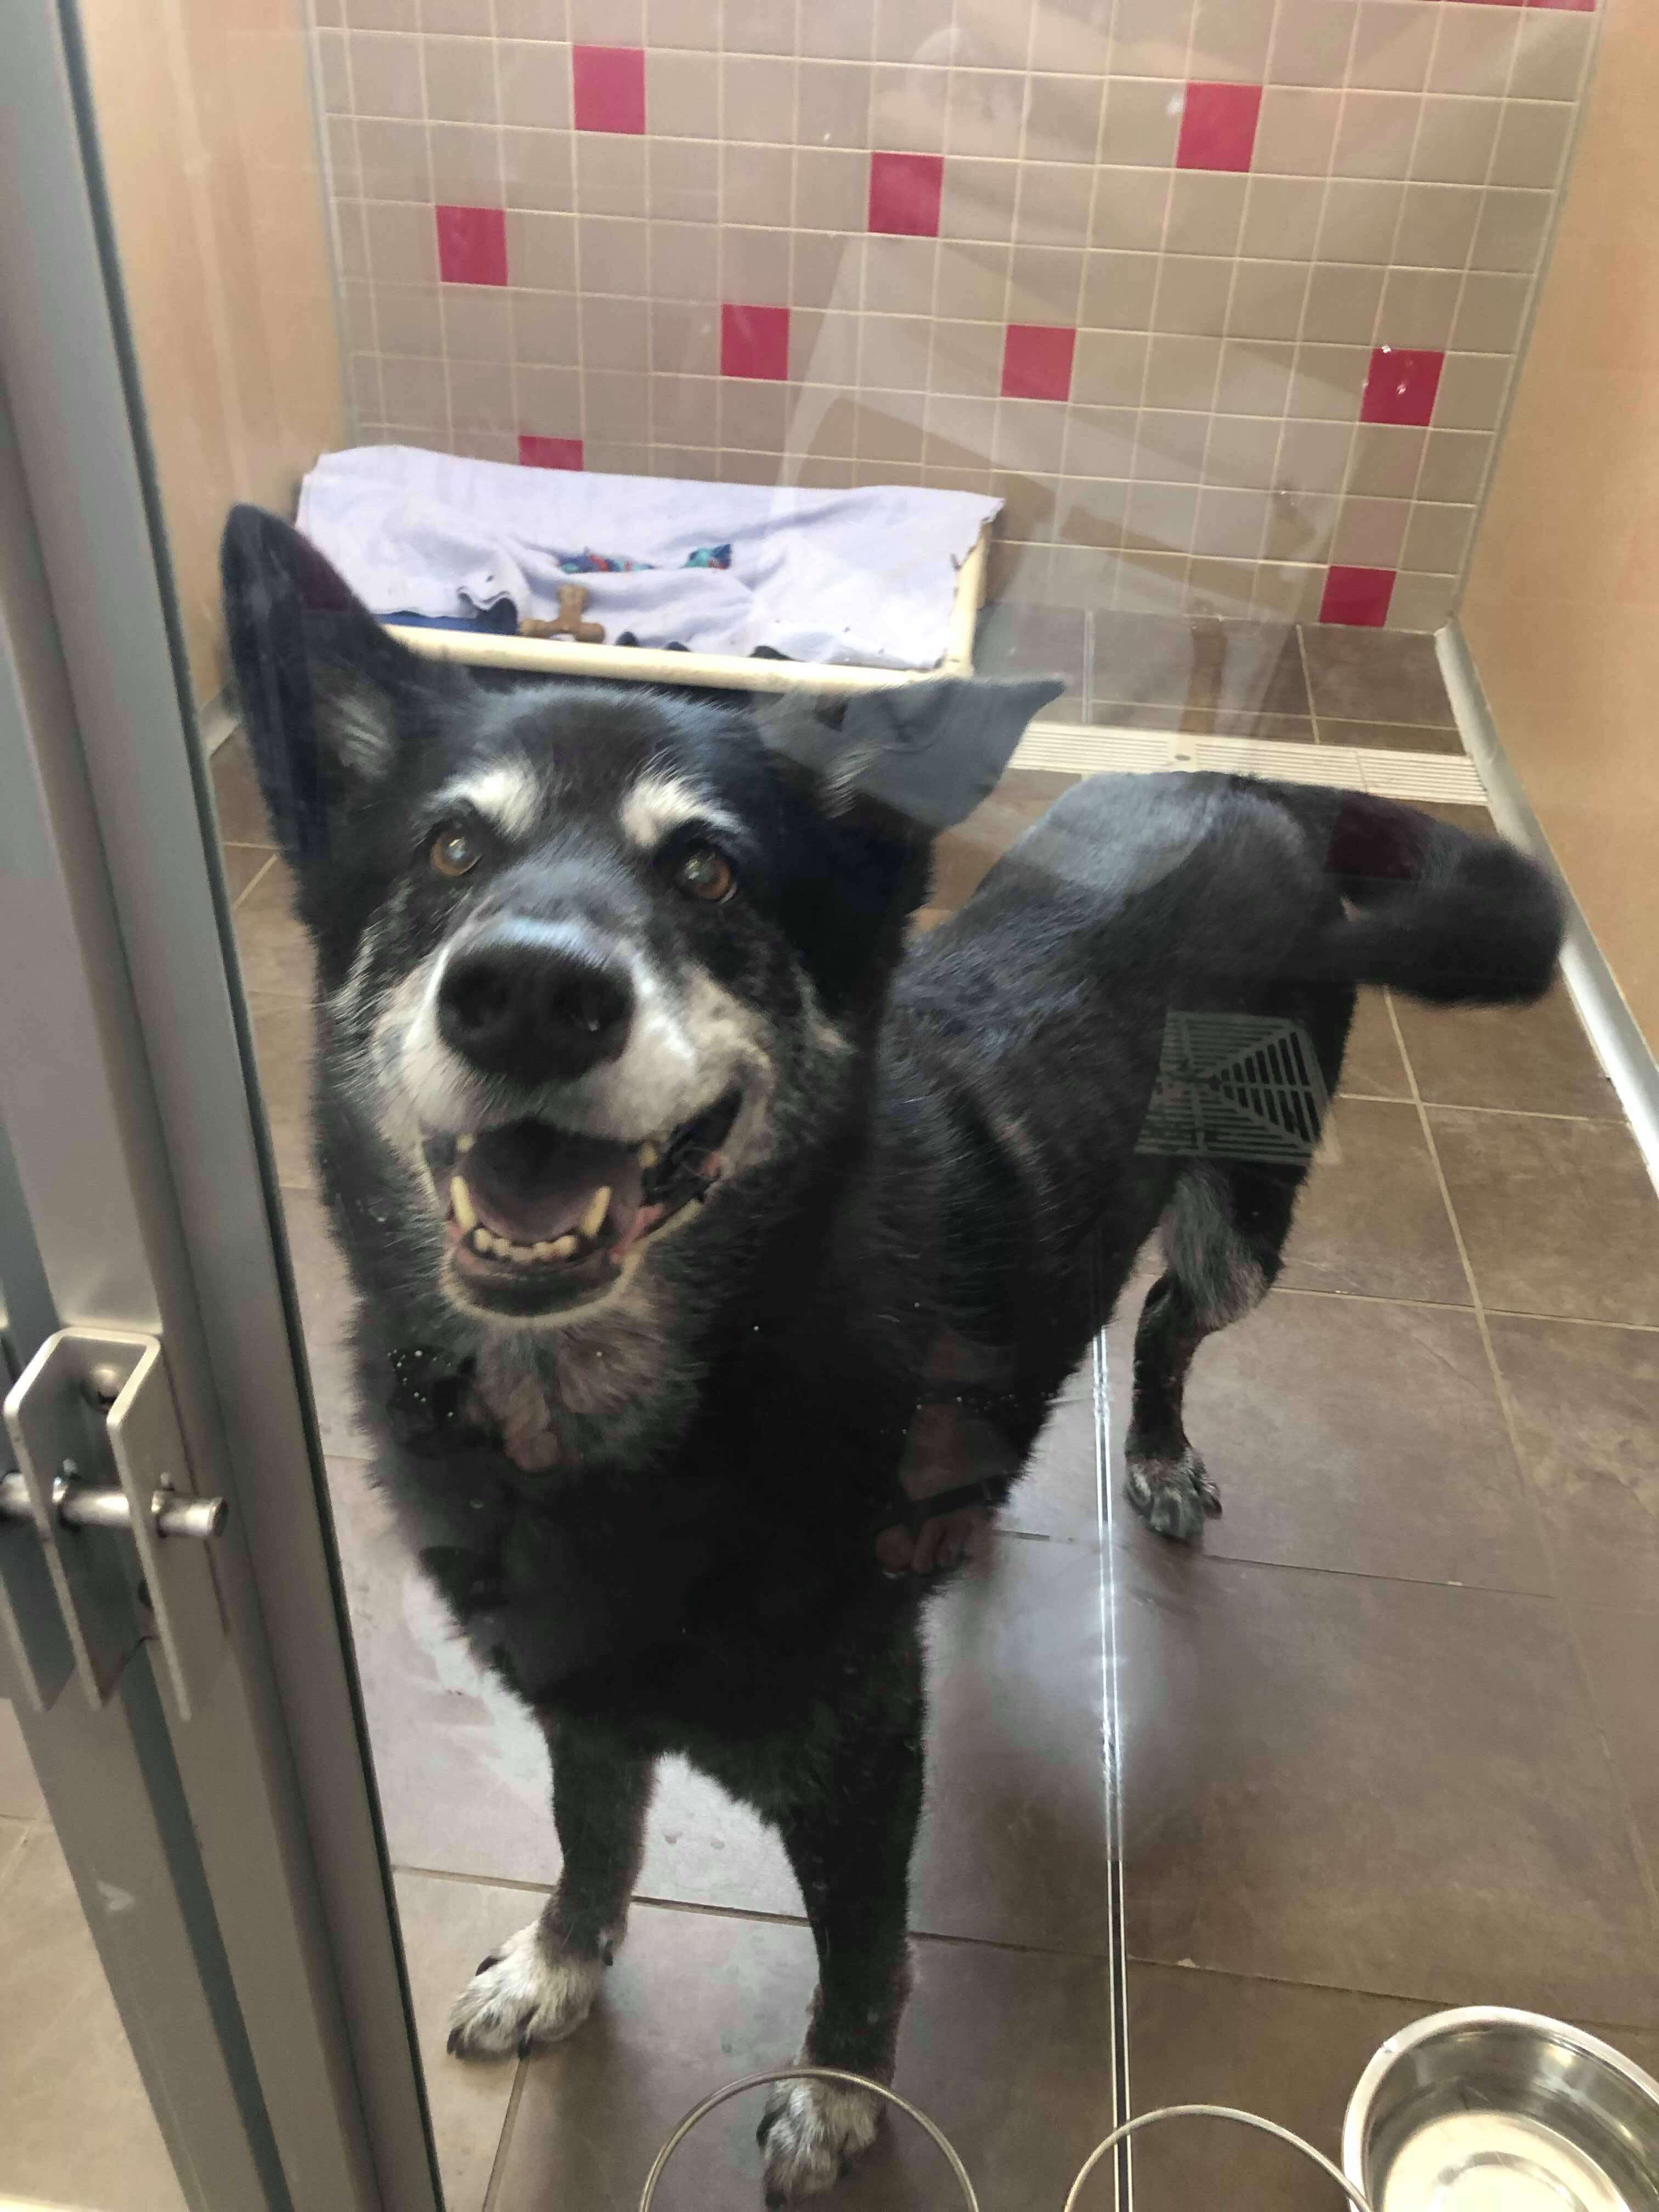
x=91 y=1403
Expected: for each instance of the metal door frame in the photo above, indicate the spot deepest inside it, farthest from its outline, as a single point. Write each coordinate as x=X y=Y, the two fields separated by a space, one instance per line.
x=125 y=1089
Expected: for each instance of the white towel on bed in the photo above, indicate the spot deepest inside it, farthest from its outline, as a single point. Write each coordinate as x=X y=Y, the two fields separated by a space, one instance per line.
x=861 y=576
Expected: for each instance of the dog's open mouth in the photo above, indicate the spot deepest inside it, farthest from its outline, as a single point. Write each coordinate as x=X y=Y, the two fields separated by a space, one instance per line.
x=539 y=1217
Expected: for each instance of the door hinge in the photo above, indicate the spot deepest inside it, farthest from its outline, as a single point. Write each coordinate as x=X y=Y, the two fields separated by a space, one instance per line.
x=92 y=1403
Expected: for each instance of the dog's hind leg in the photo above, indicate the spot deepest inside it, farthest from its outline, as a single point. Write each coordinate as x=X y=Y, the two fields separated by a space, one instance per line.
x=850 y=1837
x=540 y=1986
x=1222 y=1236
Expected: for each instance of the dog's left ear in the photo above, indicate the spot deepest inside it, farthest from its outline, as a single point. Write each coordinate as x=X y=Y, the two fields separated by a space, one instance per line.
x=929 y=752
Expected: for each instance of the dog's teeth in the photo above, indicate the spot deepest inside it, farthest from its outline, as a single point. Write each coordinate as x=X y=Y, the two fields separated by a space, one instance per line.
x=460 y=1199
x=649 y=1154
x=562 y=1247
x=542 y=1251
x=482 y=1241
x=593 y=1221
x=465 y=1143
x=521 y=1255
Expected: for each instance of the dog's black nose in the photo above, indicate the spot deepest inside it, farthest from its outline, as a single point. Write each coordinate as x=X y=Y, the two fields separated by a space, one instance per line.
x=538 y=1007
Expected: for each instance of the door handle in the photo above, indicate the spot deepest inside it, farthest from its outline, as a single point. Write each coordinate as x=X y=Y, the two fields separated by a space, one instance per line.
x=88 y=1403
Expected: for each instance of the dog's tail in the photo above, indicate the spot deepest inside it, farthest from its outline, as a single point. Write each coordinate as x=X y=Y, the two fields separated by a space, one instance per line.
x=1427 y=908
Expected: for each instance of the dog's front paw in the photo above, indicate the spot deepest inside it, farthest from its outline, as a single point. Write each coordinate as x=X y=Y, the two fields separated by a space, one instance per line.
x=1173 y=1496
x=811 y=2131
x=528 y=1992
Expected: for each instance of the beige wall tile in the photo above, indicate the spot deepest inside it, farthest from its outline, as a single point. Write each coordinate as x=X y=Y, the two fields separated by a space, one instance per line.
x=758 y=97
x=1342 y=304
x=1314 y=457
x=1436 y=225
x=616 y=408
x=754 y=417
x=1108 y=368
x=1062 y=118
x=334 y=72
x=1052 y=208
x=758 y=26
x=1091 y=512
x=755 y=184
x=823 y=348
x=1472 y=388
x=1511 y=233
x=682 y=93
x=1296 y=133
x=460 y=83
x=682 y=261
x=535 y=80
x=1491 y=310
x=678 y=23
x=970 y=283
x=1392 y=45
x=1256 y=376
x=894 y=352
x=1422 y=601
x=615 y=332
x=537 y=169
x=415 y=392
x=831 y=188
x=1182 y=371
x=682 y=177
x=531 y=19
x=834 y=103
x=401 y=243
x=1418 y=308
x=393 y=159
x=1129 y=210
x=1170 y=445
x=1100 y=441
x=1385 y=459
x=1045 y=284
x=1311 y=41
x=1329 y=382
x=1231 y=39
x=1151 y=37
x=906 y=107
x=477 y=327
x=467 y=161
x=1369 y=532
x=1243 y=450
x=985 y=113
x=1029 y=436
x=340 y=135
x=1266 y=298
x=1377 y=134
x=363 y=394
x=1193 y=292
x=545 y=329
x=1118 y=290
x=1473 y=49
x=1438 y=537
x=999 y=33
x=378 y=15
x=357 y=319
x=1359 y=220
x=913 y=30
x=684 y=337
x=890 y=430
x=754 y=267
x=967 y=357
x=462 y=15
x=541 y=251
x=1455 y=140
x=610 y=173
x=844 y=33
x=1231 y=522
x=1141 y=122
x=898 y=276
x=1287 y=592
x=963 y=427
x=1162 y=517
x=1454 y=464
x=1206 y=212
x=607 y=22
x=1281 y=218
x=1532 y=142
x=978 y=199
x=1300 y=526
x=385 y=73
x=824 y=269
x=1027 y=505
x=1551 y=54
x=1217 y=587
x=481 y=395
x=612 y=254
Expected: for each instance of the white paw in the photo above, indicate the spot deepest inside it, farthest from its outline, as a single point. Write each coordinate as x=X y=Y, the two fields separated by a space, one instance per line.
x=810 y=2130
x=521 y=1995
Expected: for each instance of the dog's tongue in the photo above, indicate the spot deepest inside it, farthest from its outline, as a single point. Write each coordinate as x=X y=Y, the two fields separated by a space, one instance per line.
x=531 y=1183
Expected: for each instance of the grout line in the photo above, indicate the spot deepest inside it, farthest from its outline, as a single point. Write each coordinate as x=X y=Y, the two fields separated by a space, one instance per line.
x=492 y=2196
x=247 y=891
x=1564 y=1610
x=1285 y=1289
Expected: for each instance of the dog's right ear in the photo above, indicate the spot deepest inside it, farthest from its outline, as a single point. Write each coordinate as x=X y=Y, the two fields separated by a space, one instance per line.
x=322 y=688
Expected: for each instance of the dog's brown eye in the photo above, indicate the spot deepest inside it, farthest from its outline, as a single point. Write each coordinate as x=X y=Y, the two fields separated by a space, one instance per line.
x=705 y=874
x=454 y=851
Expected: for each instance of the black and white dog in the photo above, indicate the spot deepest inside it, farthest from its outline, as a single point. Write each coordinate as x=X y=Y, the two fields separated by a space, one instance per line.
x=720 y=1249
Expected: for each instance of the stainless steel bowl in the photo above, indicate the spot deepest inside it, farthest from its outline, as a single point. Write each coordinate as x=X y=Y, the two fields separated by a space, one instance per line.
x=1490 y=2111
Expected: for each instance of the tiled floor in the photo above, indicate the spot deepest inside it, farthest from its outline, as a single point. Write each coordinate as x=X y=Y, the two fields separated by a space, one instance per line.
x=1312 y=684
x=1386 y=1742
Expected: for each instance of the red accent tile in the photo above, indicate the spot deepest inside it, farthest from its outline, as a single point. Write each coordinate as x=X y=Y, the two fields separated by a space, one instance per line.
x=607 y=86
x=1218 y=126
x=1036 y=361
x=904 y=193
x=538 y=453
x=1358 y=597
x=1401 y=384
x=472 y=245
x=755 y=341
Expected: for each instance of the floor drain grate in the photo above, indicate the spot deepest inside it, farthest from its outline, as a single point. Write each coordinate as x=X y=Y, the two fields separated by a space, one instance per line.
x=1235 y=1087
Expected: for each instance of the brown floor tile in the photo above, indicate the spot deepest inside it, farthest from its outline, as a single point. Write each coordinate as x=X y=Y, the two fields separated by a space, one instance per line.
x=75 y=2125
x=1371 y=1219
x=21 y=1797
x=1476 y=820
x=1021 y=637
x=236 y=799
x=965 y=856
x=1621 y=1655
x=1352 y=1434
x=1009 y=2053
x=1382 y=1785
x=1290 y=2055
x=281 y=1047
x=1375 y=676
x=1013 y=1842
x=325 y=1312
x=271 y=943
x=1390 y=736
x=1533 y=1060
x=1208 y=667
x=1059 y=1494
x=447 y=1927
x=1201 y=721
x=1559 y=1217
x=1586 y=1402
x=1372 y=1066
x=242 y=864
